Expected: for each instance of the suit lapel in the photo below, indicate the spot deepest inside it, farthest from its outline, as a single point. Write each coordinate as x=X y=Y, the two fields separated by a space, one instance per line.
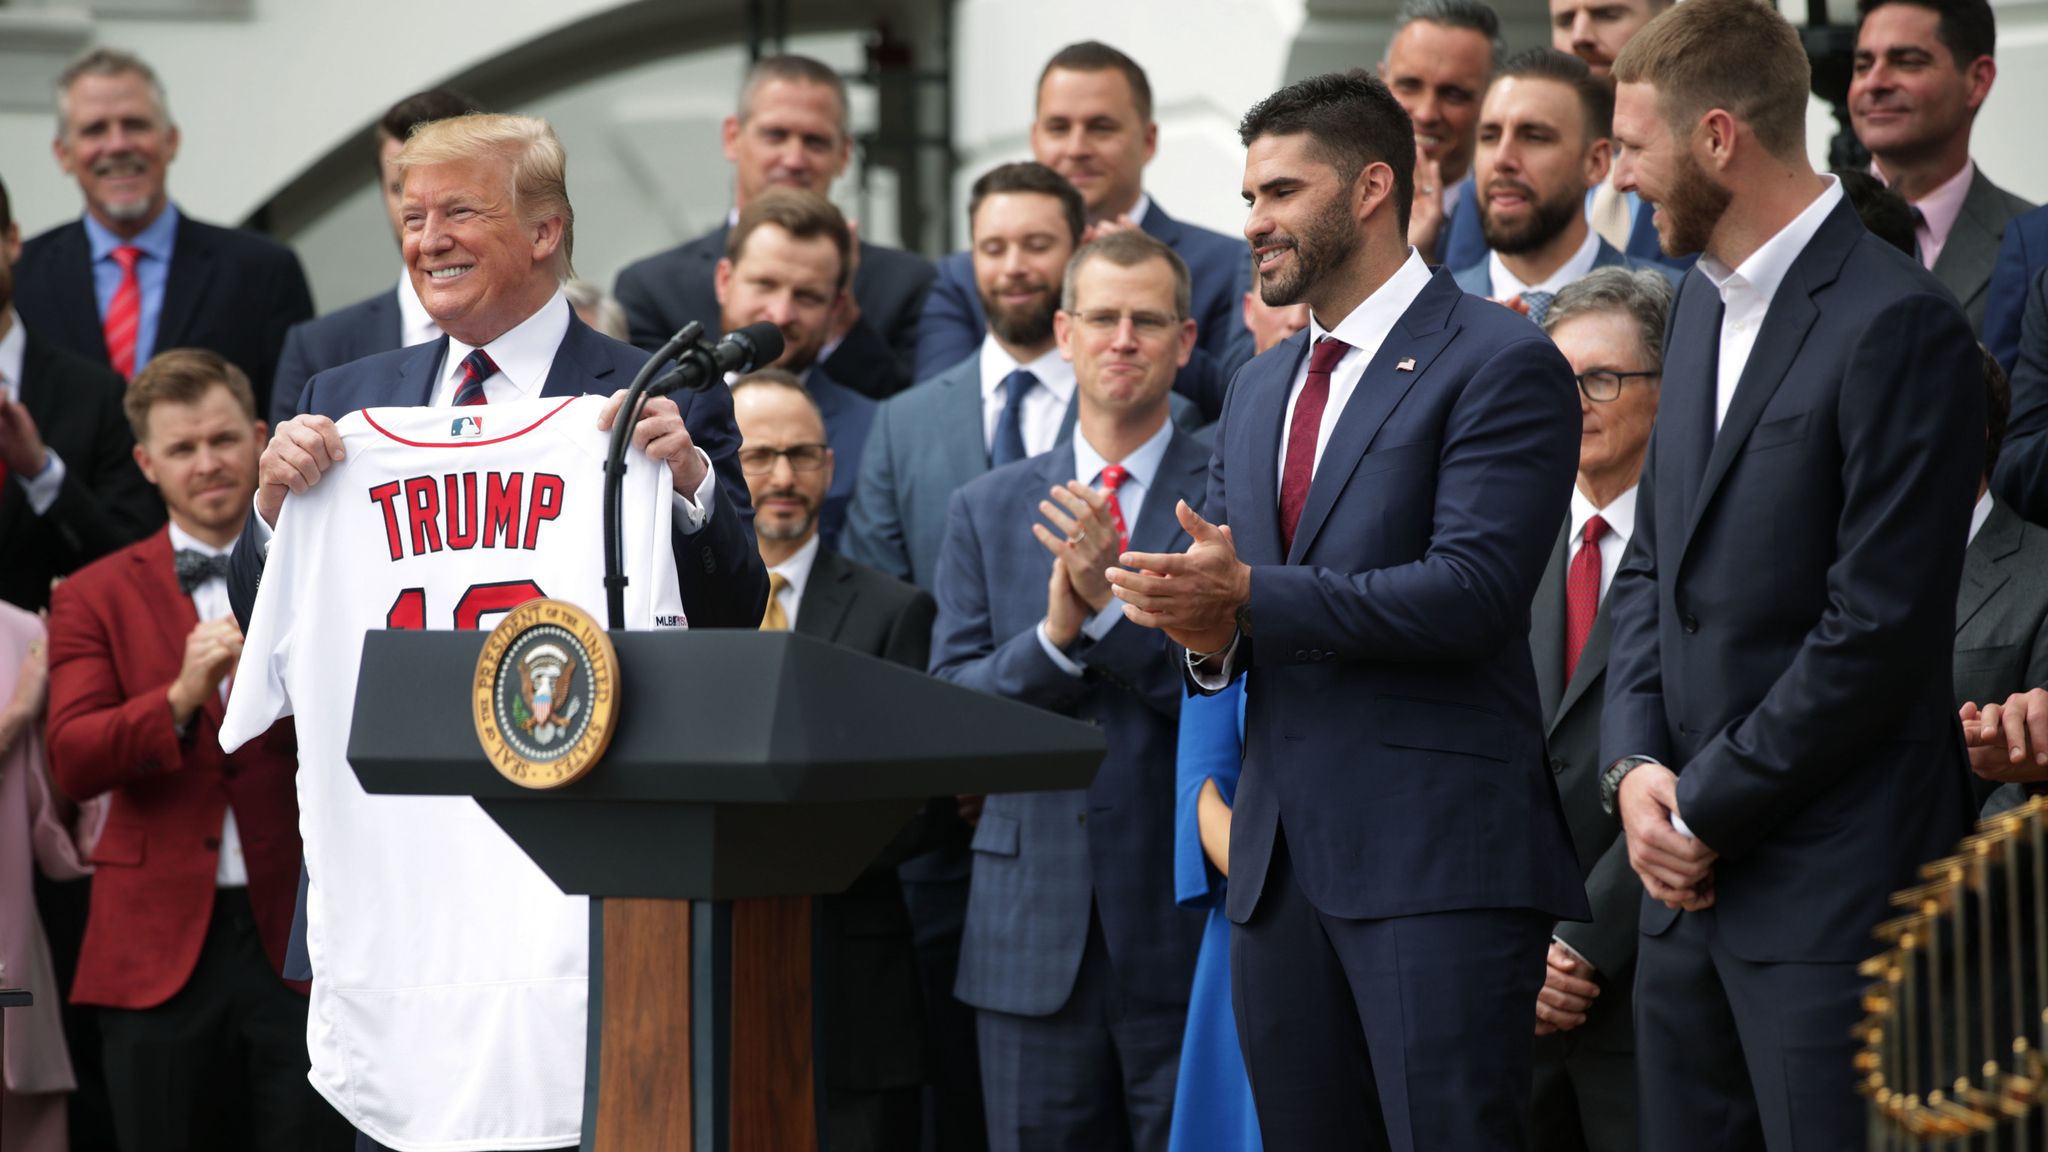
x=154 y=577
x=1982 y=574
x=960 y=436
x=78 y=303
x=416 y=372
x=1971 y=249
x=1265 y=415
x=191 y=269
x=1546 y=627
x=1685 y=435
x=1608 y=256
x=828 y=597
x=1183 y=474
x=576 y=362
x=1422 y=332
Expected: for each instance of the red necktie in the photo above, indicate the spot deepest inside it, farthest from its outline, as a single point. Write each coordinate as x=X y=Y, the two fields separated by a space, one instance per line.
x=1302 y=432
x=477 y=367
x=1582 y=595
x=124 y=313
x=1113 y=478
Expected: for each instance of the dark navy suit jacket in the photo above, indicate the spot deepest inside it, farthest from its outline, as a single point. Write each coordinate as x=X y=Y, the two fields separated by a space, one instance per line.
x=848 y=415
x=1784 y=616
x=364 y=328
x=1464 y=242
x=231 y=291
x=724 y=584
x=1219 y=266
x=669 y=289
x=2022 y=253
x=1477 y=278
x=1043 y=859
x=1391 y=723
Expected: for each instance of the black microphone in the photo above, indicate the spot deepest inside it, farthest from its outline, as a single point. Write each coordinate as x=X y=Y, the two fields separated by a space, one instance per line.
x=754 y=346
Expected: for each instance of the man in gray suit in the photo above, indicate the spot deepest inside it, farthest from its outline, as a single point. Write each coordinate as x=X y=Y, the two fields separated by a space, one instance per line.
x=1610 y=325
x=1923 y=69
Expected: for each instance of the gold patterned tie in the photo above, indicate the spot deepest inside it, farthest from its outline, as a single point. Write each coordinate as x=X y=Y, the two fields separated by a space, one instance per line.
x=775 y=619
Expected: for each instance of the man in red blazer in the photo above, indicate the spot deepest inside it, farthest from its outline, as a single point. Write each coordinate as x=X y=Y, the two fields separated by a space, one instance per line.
x=204 y=1041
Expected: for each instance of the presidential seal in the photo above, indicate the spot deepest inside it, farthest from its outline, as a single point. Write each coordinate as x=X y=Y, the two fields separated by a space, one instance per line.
x=545 y=696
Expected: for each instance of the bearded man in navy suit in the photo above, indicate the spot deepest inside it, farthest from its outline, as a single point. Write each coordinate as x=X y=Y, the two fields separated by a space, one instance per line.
x=1386 y=490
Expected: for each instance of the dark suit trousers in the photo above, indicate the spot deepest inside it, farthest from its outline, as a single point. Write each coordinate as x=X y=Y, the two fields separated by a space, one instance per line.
x=1098 y=1074
x=1584 y=1097
x=1411 y=1033
x=1736 y=1054
x=222 y=1064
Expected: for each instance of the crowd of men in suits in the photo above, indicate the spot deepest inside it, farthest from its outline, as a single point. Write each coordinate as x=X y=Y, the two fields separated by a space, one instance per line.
x=1611 y=547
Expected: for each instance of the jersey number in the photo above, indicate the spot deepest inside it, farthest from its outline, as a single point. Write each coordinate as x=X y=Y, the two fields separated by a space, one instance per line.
x=409 y=611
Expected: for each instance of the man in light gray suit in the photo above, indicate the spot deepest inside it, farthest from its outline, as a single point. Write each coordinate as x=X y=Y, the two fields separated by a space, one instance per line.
x=1610 y=326
x=1923 y=69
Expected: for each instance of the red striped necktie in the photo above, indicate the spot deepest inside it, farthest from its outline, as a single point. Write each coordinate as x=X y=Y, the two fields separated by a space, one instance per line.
x=124 y=313
x=1113 y=477
x=477 y=367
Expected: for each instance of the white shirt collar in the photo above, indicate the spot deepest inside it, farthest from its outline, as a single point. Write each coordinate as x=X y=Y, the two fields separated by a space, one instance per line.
x=1138 y=210
x=182 y=540
x=1978 y=515
x=1767 y=266
x=13 y=347
x=523 y=355
x=1376 y=315
x=1507 y=286
x=1052 y=369
x=1452 y=192
x=1620 y=514
x=797 y=571
x=1141 y=467
x=414 y=325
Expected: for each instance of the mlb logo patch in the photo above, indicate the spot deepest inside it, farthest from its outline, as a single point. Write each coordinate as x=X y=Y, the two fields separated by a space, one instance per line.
x=466 y=426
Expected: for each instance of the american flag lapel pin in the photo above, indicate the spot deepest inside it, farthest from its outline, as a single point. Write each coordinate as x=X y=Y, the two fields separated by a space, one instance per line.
x=1407 y=364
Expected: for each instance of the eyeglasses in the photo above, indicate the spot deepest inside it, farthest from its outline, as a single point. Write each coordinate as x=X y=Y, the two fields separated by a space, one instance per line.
x=1109 y=319
x=801 y=457
x=1602 y=386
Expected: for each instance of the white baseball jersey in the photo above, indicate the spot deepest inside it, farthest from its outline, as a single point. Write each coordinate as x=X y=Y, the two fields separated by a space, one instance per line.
x=448 y=971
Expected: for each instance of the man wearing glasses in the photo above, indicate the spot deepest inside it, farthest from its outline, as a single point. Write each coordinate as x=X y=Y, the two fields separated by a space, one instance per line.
x=1610 y=326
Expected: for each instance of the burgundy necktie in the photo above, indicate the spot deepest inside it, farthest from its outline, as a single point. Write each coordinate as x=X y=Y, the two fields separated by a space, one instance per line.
x=476 y=368
x=124 y=314
x=1582 y=595
x=1113 y=478
x=1302 y=432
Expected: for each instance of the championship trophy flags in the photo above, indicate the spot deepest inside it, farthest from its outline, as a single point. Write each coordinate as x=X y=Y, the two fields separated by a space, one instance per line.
x=1956 y=1016
x=700 y=788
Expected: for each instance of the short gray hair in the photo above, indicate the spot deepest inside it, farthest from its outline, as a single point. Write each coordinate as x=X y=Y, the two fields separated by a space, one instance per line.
x=605 y=308
x=1641 y=294
x=107 y=62
x=791 y=69
x=1473 y=14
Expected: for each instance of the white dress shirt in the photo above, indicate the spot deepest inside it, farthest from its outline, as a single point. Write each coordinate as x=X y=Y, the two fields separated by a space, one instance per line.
x=414 y=325
x=1141 y=467
x=1365 y=329
x=797 y=572
x=211 y=599
x=1746 y=292
x=1507 y=285
x=43 y=487
x=1978 y=515
x=1045 y=407
x=1620 y=515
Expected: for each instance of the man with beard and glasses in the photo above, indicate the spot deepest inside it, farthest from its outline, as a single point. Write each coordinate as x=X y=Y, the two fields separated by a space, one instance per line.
x=1392 y=482
x=789 y=261
x=1542 y=144
x=871 y=1030
x=1780 y=732
x=134 y=275
x=1923 y=69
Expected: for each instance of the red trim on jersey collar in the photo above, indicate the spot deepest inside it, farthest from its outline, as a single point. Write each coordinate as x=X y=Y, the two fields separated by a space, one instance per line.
x=390 y=435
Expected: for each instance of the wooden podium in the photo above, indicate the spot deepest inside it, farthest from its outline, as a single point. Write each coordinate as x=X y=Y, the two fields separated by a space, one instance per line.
x=749 y=773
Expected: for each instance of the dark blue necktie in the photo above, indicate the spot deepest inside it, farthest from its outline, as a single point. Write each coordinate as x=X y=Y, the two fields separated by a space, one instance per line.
x=1009 y=444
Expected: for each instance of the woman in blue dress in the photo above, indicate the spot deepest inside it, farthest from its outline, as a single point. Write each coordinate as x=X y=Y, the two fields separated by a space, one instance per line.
x=1212 y=1104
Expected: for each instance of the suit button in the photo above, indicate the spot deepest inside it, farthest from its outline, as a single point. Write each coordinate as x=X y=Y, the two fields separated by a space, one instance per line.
x=1082 y=819
x=1301 y=654
x=1556 y=766
x=213 y=843
x=1689 y=622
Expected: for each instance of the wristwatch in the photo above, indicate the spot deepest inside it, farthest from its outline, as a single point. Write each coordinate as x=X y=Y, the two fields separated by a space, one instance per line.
x=1610 y=780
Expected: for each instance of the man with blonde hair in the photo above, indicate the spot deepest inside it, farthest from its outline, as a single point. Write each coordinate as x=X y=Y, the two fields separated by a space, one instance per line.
x=488 y=231
x=1779 y=733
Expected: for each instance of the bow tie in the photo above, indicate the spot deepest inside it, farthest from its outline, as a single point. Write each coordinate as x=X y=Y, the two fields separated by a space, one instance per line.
x=196 y=568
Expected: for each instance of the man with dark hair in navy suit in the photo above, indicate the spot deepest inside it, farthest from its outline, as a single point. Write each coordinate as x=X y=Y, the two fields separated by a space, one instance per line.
x=790 y=131
x=390 y=319
x=134 y=275
x=1076 y=958
x=1093 y=125
x=1780 y=731
x=1387 y=488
